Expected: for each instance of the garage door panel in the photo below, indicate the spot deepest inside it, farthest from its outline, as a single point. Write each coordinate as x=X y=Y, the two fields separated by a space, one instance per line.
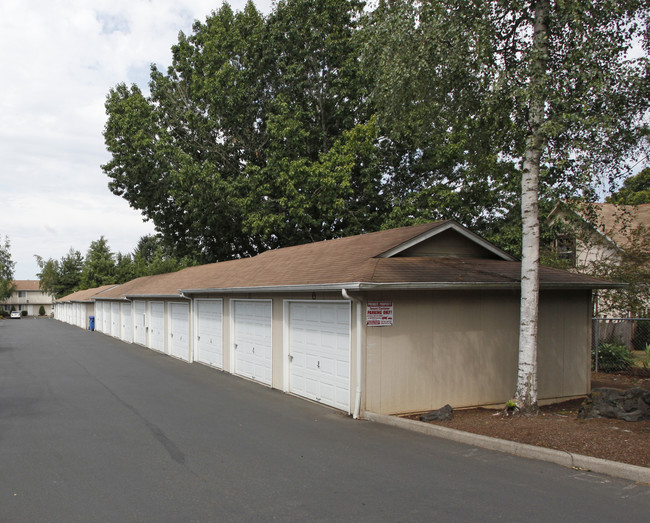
x=126 y=331
x=319 y=346
x=139 y=323
x=157 y=326
x=209 y=326
x=115 y=320
x=179 y=344
x=252 y=340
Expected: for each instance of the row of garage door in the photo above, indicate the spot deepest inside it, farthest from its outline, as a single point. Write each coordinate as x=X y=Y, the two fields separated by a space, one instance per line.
x=317 y=347
x=73 y=313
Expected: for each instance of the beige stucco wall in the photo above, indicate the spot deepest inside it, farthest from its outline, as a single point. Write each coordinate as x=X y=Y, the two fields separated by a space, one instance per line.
x=461 y=348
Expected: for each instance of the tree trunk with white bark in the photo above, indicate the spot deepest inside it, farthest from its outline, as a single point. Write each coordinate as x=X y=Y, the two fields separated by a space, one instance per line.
x=526 y=392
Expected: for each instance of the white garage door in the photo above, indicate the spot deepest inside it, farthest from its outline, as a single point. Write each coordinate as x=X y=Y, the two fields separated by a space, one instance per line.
x=78 y=318
x=319 y=352
x=99 y=316
x=209 y=343
x=157 y=326
x=252 y=339
x=179 y=330
x=106 y=317
x=139 y=323
x=116 y=319
x=127 y=323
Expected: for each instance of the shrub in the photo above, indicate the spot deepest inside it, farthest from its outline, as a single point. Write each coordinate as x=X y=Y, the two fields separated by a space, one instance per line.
x=41 y=311
x=613 y=356
x=23 y=314
x=4 y=314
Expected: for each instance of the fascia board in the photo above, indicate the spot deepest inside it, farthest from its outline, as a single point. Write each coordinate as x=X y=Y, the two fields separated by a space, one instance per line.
x=152 y=296
x=279 y=288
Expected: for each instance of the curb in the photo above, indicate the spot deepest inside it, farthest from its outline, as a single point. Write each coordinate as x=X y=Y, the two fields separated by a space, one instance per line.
x=559 y=457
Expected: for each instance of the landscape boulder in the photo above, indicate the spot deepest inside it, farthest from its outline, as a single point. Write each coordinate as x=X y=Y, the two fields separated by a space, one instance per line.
x=629 y=405
x=443 y=414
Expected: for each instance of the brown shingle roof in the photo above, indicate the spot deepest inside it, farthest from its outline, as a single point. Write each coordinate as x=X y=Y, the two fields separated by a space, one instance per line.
x=27 y=285
x=87 y=294
x=352 y=262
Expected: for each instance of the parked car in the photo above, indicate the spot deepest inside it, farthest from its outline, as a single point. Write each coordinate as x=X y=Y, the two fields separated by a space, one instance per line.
x=16 y=315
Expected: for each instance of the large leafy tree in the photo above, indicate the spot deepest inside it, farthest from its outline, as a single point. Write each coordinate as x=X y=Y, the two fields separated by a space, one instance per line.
x=6 y=270
x=249 y=141
x=542 y=93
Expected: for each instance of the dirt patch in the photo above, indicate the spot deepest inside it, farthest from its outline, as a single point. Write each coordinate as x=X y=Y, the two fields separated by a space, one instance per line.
x=558 y=427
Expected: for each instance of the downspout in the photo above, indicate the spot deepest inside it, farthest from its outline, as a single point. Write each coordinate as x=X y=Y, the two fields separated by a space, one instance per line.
x=359 y=303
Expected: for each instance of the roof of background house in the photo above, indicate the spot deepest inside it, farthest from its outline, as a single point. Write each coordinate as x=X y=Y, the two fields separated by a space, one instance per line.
x=616 y=221
x=612 y=222
x=362 y=261
x=27 y=285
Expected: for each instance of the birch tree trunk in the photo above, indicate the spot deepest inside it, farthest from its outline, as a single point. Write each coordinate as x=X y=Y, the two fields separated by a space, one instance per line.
x=526 y=392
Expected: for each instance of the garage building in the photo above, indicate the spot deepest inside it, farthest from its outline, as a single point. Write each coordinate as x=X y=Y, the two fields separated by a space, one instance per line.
x=403 y=320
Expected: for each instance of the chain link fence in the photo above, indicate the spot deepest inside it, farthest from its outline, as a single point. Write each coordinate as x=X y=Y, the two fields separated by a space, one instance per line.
x=633 y=333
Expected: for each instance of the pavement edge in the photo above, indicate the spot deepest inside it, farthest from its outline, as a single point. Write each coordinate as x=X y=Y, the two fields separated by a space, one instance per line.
x=559 y=457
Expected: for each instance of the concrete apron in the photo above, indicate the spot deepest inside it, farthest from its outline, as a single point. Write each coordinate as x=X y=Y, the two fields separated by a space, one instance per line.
x=567 y=459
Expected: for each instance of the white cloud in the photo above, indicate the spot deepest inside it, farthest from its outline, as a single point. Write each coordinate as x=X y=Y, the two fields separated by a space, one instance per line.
x=60 y=58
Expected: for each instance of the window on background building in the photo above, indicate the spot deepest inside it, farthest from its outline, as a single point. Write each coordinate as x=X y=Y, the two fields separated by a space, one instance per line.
x=565 y=248
x=22 y=294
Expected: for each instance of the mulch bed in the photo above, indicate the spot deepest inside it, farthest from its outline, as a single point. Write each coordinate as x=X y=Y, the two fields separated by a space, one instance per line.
x=558 y=427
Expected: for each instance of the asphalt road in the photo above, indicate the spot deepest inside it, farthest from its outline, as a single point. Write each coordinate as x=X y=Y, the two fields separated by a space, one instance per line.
x=93 y=429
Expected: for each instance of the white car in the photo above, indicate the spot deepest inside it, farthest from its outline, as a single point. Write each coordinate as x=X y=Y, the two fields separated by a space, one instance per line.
x=16 y=315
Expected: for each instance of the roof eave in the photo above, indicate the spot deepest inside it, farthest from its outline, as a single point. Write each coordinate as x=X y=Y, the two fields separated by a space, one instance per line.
x=361 y=286
x=154 y=296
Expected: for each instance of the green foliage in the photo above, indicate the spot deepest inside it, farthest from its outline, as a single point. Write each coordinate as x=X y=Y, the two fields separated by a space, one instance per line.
x=452 y=86
x=60 y=277
x=7 y=286
x=152 y=256
x=613 y=357
x=99 y=267
x=41 y=311
x=256 y=137
x=635 y=190
x=322 y=119
x=102 y=267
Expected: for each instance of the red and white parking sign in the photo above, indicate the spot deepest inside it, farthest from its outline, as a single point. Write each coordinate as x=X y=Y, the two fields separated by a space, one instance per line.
x=379 y=313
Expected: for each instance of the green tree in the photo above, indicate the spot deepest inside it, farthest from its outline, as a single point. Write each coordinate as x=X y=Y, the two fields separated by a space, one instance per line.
x=125 y=268
x=249 y=141
x=540 y=94
x=635 y=190
x=60 y=277
x=99 y=266
x=151 y=256
x=7 y=286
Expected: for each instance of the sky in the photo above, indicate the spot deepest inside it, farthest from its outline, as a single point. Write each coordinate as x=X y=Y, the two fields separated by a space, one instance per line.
x=59 y=60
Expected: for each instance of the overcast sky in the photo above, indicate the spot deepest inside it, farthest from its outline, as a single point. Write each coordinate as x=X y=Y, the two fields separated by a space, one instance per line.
x=59 y=60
